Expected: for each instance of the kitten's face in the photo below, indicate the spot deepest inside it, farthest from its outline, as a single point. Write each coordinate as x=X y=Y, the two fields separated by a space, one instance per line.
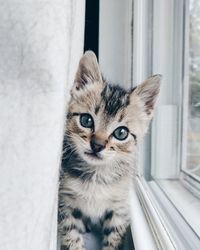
x=105 y=121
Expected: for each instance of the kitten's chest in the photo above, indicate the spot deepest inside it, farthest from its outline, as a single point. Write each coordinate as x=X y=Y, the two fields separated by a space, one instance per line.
x=94 y=199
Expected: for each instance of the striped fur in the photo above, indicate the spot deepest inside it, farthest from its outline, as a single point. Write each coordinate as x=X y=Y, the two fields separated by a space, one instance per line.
x=94 y=186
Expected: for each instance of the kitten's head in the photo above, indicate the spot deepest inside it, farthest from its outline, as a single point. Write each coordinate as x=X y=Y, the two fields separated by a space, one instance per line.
x=105 y=122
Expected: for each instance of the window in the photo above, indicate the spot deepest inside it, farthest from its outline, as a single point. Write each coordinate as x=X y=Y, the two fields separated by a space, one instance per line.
x=171 y=169
x=162 y=37
x=193 y=122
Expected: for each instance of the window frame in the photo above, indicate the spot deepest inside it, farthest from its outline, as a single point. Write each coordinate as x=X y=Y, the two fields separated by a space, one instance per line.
x=191 y=181
x=177 y=110
x=161 y=212
x=167 y=59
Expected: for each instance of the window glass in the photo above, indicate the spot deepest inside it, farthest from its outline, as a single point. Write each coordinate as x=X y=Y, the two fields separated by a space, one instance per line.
x=193 y=145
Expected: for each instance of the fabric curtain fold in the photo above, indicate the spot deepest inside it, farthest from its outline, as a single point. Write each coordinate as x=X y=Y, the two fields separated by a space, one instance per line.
x=40 y=46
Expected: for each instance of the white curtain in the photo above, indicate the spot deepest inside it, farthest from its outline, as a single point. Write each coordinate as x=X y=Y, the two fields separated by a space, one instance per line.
x=40 y=45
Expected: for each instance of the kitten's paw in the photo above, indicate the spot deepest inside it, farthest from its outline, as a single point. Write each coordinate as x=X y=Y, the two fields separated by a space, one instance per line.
x=72 y=243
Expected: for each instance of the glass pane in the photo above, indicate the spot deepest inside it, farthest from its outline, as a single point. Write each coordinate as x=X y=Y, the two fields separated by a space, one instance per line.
x=193 y=150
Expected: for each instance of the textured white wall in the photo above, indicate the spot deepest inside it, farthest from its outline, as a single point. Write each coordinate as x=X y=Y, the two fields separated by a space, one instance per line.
x=40 y=45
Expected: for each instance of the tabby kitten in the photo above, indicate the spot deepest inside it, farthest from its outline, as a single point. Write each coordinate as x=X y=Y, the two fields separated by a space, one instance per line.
x=104 y=125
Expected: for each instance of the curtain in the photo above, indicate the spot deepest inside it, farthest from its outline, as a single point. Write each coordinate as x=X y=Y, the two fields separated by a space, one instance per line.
x=40 y=44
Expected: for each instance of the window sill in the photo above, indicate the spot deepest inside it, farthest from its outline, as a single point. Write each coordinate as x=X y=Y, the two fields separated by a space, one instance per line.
x=139 y=226
x=166 y=223
x=185 y=202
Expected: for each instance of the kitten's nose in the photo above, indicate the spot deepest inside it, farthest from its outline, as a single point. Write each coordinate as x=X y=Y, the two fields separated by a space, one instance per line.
x=97 y=145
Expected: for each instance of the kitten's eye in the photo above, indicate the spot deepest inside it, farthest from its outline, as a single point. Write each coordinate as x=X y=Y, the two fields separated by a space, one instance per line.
x=86 y=121
x=121 y=133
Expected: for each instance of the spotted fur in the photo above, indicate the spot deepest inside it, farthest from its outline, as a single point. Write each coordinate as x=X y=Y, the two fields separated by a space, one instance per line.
x=97 y=167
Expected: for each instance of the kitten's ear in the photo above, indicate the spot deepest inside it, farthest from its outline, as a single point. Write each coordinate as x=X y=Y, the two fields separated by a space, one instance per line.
x=148 y=92
x=88 y=70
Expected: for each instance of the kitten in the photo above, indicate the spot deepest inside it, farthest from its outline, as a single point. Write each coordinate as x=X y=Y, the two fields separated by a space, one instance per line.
x=104 y=124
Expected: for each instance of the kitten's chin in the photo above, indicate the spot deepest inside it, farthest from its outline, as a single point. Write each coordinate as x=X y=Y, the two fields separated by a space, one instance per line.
x=93 y=158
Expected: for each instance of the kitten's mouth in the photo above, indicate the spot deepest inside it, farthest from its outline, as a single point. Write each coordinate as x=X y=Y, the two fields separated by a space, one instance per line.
x=94 y=155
